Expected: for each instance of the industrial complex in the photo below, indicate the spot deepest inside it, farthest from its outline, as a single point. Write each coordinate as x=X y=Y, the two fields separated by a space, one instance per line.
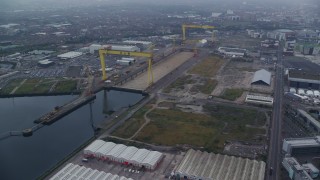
x=203 y=91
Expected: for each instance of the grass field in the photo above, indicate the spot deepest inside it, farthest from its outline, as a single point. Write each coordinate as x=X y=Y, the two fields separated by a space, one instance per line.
x=172 y=127
x=179 y=83
x=35 y=86
x=232 y=94
x=208 y=67
x=9 y=87
x=207 y=87
x=132 y=125
x=66 y=86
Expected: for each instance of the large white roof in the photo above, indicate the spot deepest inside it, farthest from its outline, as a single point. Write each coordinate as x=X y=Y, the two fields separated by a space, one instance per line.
x=205 y=165
x=72 y=171
x=106 y=148
x=262 y=75
x=128 y=153
x=94 y=146
x=69 y=55
x=116 y=150
x=139 y=156
x=152 y=158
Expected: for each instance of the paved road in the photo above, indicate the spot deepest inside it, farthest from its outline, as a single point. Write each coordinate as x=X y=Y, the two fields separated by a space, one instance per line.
x=274 y=157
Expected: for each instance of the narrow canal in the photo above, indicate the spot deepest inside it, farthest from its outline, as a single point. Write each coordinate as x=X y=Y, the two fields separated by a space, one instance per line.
x=29 y=157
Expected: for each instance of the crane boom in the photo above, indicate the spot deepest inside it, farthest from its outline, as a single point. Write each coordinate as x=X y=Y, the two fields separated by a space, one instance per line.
x=109 y=51
x=185 y=26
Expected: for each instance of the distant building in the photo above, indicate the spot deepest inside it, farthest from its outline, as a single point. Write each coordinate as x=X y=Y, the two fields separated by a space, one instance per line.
x=232 y=52
x=295 y=170
x=306 y=145
x=39 y=52
x=302 y=79
x=144 y=43
x=263 y=100
x=69 y=55
x=261 y=77
x=94 y=47
x=210 y=166
x=45 y=63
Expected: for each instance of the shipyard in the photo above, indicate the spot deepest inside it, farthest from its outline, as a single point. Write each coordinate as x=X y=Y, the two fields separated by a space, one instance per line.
x=139 y=90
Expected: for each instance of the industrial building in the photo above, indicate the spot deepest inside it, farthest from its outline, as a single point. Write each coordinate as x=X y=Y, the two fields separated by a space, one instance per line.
x=210 y=166
x=232 y=52
x=307 y=119
x=74 y=171
x=45 y=63
x=298 y=172
x=144 y=43
x=69 y=55
x=301 y=145
x=261 y=77
x=305 y=80
x=263 y=100
x=120 y=153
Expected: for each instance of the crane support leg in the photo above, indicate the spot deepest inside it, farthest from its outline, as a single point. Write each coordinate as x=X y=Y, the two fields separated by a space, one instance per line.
x=150 y=72
x=103 y=66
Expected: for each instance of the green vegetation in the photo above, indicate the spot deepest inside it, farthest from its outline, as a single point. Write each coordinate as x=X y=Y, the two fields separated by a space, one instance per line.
x=208 y=67
x=39 y=86
x=65 y=86
x=179 y=83
x=35 y=86
x=8 y=88
x=172 y=126
x=232 y=94
x=207 y=87
x=132 y=125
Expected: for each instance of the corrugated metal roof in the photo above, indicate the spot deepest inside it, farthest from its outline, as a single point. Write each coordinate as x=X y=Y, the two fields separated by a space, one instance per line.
x=139 y=156
x=72 y=171
x=262 y=75
x=94 y=146
x=205 y=165
x=128 y=153
x=152 y=158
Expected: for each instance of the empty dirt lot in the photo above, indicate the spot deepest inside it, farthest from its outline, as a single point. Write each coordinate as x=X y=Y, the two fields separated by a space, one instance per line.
x=159 y=71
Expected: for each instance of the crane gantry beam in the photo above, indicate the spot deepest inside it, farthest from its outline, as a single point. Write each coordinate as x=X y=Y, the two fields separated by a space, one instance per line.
x=185 y=26
x=109 y=51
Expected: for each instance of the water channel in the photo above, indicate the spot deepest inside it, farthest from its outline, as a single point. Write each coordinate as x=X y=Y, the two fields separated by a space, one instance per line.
x=29 y=157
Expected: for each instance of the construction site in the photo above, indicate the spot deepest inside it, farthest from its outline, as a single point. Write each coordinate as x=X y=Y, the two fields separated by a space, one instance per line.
x=197 y=99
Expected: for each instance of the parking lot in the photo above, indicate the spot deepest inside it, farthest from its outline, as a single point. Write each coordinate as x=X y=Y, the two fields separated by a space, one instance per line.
x=163 y=171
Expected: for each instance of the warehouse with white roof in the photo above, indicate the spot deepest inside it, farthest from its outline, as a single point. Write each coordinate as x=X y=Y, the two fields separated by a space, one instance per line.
x=74 y=171
x=123 y=154
x=210 y=166
x=69 y=55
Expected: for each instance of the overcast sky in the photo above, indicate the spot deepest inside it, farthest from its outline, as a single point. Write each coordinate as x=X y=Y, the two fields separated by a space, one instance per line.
x=51 y=3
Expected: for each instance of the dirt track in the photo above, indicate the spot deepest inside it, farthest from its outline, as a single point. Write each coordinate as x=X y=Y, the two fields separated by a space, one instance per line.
x=159 y=71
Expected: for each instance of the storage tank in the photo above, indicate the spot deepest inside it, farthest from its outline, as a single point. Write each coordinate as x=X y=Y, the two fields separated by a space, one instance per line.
x=310 y=93
x=316 y=93
x=301 y=92
x=293 y=90
x=124 y=62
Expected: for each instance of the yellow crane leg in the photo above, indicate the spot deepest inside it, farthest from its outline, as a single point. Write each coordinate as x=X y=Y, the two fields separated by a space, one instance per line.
x=150 y=72
x=183 y=33
x=103 y=66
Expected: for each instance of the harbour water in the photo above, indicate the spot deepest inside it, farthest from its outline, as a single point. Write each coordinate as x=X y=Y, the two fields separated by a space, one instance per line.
x=29 y=157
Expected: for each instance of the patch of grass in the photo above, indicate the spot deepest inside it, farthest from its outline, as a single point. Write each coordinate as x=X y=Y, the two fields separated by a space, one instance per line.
x=9 y=87
x=208 y=67
x=207 y=87
x=65 y=86
x=179 y=83
x=35 y=86
x=132 y=125
x=171 y=127
x=232 y=94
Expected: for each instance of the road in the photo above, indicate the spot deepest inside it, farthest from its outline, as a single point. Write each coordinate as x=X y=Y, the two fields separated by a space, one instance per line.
x=274 y=157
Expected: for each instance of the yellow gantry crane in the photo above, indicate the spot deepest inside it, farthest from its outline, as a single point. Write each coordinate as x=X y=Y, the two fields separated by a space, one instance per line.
x=185 y=26
x=109 y=51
